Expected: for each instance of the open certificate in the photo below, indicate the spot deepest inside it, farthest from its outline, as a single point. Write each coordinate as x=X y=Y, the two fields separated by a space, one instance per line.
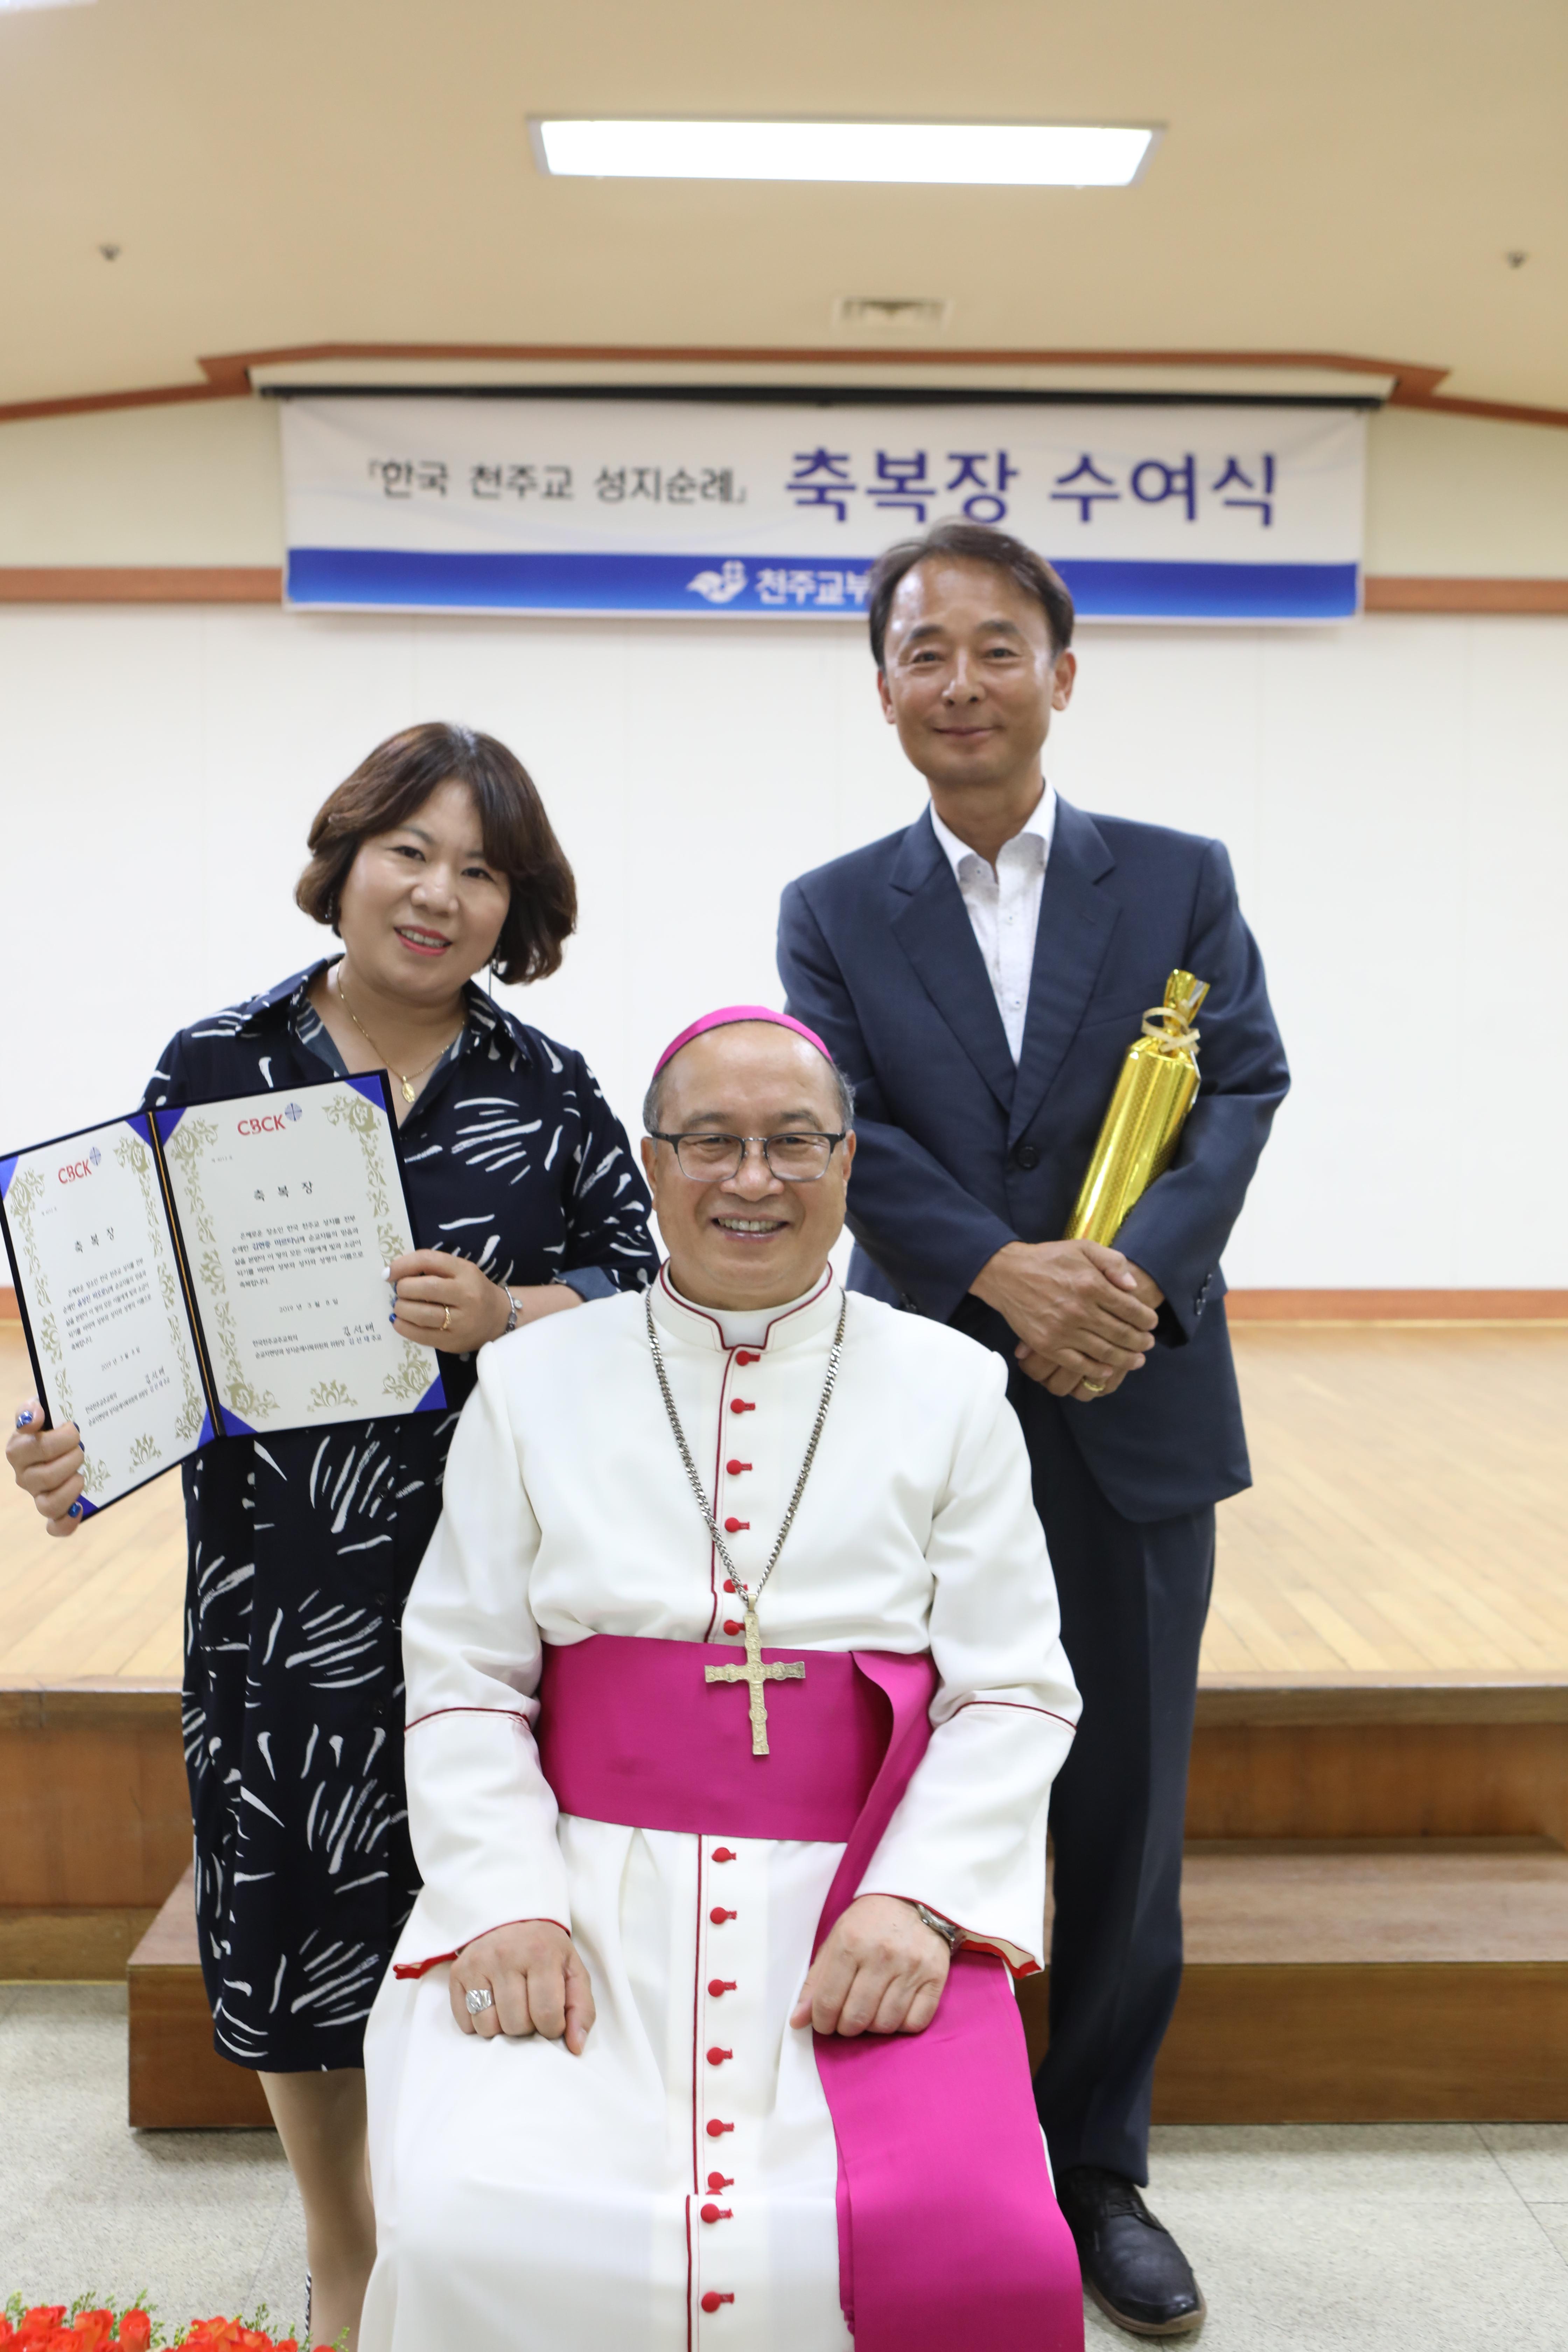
x=216 y=1270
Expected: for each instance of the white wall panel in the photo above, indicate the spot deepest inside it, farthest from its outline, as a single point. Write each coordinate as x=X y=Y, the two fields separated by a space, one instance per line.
x=1395 y=796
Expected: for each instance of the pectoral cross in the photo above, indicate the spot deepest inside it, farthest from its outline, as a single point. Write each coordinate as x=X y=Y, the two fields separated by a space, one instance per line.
x=755 y=1675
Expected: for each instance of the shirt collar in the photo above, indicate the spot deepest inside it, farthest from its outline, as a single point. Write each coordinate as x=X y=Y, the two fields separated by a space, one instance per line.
x=482 y=1018
x=1041 y=822
x=799 y=1319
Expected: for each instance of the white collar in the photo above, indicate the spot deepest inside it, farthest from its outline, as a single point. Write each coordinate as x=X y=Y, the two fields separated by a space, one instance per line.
x=1041 y=822
x=766 y=1329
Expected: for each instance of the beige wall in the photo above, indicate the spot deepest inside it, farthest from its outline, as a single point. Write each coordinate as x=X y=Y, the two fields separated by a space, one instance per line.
x=200 y=485
x=1394 y=795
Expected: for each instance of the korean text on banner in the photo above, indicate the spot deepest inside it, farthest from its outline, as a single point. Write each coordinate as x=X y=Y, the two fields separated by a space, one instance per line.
x=717 y=508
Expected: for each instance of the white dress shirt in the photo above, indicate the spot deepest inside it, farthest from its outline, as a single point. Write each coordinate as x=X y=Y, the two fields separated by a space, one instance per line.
x=1004 y=903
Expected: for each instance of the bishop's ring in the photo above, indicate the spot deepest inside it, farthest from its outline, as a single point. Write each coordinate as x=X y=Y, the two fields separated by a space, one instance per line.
x=477 y=2002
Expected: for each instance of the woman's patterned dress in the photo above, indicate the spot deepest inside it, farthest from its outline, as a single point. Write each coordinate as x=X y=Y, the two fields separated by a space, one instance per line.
x=303 y=1545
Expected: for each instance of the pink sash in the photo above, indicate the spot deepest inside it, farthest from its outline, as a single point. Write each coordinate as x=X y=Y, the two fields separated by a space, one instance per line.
x=948 y=2233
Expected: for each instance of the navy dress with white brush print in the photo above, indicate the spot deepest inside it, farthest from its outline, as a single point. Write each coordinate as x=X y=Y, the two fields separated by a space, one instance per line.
x=303 y=1545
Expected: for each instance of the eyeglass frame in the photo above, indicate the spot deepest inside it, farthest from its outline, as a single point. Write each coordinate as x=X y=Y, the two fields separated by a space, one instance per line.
x=701 y=1135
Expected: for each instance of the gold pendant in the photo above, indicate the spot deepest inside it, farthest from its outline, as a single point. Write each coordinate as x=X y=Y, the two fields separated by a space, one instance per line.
x=408 y=1090
x=755 y=1675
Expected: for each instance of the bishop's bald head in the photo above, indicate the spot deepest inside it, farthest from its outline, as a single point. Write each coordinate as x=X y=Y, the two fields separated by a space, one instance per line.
x=744 y=1228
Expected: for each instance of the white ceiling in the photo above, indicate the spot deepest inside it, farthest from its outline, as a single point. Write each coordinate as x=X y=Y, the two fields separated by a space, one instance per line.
x=1343 y=177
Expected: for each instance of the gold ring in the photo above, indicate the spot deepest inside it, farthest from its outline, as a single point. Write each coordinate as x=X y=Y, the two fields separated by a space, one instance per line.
x=1094 y=1388
x=445 y=1319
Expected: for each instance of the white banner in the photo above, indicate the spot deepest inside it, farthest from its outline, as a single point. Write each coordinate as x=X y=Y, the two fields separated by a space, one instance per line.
x=661 y=505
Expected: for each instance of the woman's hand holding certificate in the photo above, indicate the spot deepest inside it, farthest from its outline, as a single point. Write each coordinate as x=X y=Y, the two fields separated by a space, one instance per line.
x=445 y=1302
x=47 y=1465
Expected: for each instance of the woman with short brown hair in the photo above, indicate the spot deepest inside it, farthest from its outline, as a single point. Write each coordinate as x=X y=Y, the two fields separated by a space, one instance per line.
x=433 y=860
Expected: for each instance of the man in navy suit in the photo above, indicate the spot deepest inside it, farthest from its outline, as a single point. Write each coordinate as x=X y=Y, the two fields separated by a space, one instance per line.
x=980 y=976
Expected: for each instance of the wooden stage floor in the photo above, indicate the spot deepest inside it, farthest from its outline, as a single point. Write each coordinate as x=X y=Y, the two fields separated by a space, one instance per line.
x=1407 y=1523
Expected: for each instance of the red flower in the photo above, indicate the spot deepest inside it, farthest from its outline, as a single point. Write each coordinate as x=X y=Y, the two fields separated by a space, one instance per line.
x=135 y=2331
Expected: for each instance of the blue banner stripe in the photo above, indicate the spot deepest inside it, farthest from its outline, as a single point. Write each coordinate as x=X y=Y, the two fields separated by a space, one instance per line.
x=818 y=588
x=1213 y=592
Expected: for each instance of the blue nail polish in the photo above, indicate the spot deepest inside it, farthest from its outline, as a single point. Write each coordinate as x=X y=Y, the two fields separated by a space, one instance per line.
x=25 y=1420
x=391 y=1319
x=75 y=1511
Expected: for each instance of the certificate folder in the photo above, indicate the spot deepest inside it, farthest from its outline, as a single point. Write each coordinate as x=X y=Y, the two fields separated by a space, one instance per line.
x=215 y=1269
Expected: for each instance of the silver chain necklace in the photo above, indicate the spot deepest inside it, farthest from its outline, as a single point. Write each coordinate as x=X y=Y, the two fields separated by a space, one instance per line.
x=750 y=1596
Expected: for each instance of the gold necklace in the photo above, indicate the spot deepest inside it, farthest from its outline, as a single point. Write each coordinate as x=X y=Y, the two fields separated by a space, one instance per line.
x=404 y=1078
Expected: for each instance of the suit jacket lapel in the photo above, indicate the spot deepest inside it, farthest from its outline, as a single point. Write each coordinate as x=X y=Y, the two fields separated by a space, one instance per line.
x=1077 y=918
x=933 y=929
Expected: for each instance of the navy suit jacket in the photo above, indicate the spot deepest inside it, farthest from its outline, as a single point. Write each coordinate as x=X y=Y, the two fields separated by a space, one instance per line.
x=960 y=1153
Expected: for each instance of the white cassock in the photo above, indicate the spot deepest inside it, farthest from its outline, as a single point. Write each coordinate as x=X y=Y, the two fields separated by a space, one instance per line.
x=529 y=2200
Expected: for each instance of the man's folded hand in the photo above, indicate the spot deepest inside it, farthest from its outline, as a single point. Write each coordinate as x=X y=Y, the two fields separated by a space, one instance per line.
x=536 y=1983
x=1084 y=1315
x=880 y=1971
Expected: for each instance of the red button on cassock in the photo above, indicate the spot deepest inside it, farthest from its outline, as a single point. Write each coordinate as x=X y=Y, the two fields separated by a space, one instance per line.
x=710 y=2301
x=746 y=1356
x=716 y=2130
x=718 y=1917
x=735 y=1469
x=718 y=2181
x=733 y=1625
x=717 y=2213
x=716 y=2056
x=725 y=1854
x=728 y=1584
x=717 y=1985
x=739 y=1404
x=733 y=1528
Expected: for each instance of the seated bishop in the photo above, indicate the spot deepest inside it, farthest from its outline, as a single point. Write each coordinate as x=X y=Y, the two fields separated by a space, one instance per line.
x=735 y=1696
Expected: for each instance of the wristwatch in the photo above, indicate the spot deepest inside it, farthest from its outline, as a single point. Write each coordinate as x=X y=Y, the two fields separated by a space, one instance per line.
x=950 y=1936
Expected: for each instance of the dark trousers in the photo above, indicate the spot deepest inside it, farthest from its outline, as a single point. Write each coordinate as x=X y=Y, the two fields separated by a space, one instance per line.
x=1134 y=1601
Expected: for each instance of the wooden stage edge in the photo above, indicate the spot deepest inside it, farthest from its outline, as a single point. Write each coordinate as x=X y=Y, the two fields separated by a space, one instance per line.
x=1401 y=1308
x=95 y=1814
x=38 y=1703
x=1317 y=1306
x=1396 y=1306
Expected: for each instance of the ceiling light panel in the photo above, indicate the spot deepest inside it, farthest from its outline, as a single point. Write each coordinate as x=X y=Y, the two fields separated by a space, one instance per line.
x=934 y=155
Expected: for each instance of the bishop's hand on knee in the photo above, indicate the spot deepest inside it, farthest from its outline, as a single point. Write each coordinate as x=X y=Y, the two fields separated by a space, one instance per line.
x=536 y=1981
x=880 y=1971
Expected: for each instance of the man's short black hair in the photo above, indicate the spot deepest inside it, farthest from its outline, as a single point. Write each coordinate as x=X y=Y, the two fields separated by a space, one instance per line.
x=971 y=543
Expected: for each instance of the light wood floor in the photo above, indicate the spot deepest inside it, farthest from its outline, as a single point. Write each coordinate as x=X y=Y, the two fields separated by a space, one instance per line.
x=1409 y=1513
x=1407 y=1520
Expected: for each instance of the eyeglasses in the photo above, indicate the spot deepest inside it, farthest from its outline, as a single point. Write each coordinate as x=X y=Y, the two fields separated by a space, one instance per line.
x=797 y=1158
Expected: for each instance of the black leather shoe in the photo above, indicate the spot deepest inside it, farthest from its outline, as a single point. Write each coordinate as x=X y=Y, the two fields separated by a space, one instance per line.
x=1132 y=2266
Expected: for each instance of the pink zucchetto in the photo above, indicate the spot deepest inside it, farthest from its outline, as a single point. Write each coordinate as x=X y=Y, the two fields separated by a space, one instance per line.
x=726 y=1016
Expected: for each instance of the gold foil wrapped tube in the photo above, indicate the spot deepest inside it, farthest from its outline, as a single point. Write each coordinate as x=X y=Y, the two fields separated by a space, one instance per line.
x=1153 y=1094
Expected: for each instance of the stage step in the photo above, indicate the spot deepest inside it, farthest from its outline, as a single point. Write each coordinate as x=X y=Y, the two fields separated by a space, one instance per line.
x=178 y=2082
x=1371 y=1981
x=1377 y=1981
